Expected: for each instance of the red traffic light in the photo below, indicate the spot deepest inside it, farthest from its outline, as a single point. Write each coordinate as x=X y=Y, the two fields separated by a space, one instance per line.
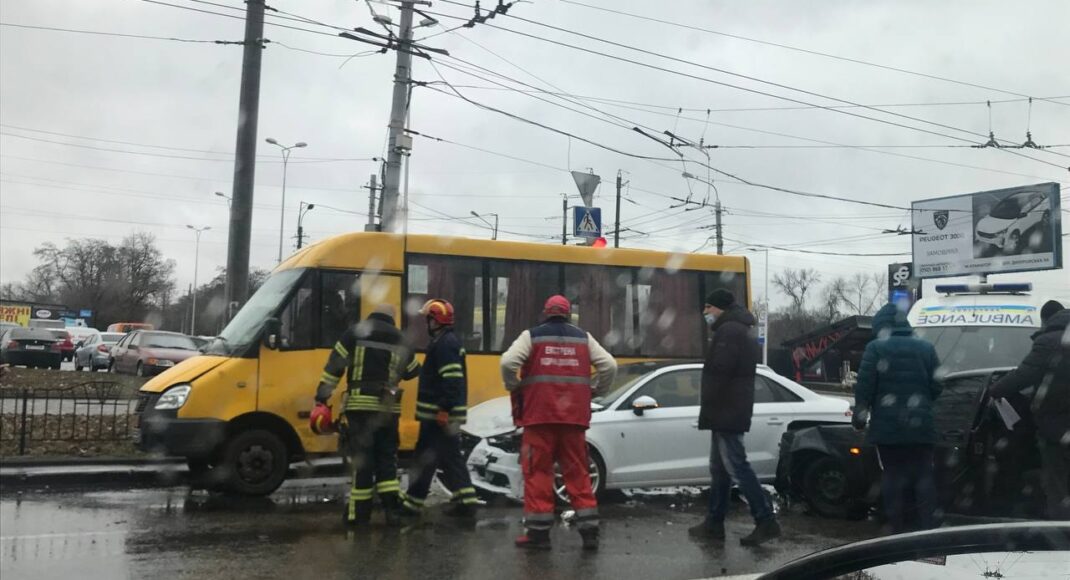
x=598 y=243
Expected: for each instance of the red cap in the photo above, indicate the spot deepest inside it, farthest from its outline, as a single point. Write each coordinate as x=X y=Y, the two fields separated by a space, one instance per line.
x=557 y=305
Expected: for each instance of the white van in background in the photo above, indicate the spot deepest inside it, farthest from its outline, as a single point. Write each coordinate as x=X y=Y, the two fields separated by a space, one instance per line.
x=978 y=326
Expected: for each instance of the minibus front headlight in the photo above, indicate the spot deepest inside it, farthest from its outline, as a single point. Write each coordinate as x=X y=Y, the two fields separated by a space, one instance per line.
x=173 y=398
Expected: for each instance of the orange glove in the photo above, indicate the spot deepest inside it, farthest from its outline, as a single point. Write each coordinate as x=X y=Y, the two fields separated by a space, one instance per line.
x=443 y=419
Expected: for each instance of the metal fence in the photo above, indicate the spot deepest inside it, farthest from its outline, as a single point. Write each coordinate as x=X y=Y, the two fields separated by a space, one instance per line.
x=89 y=412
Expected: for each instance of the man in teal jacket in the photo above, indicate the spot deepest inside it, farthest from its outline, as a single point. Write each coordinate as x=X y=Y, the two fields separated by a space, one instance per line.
x=895 y=390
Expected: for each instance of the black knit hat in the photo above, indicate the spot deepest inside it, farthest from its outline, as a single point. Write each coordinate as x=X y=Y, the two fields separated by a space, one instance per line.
x=720 y=298
x=1049 y=309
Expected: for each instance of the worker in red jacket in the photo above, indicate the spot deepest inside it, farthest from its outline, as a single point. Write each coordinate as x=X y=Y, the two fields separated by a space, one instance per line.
x=547 y=370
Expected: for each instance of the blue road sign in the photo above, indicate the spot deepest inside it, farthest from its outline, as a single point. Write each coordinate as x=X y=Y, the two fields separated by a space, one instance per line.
x=587 y=222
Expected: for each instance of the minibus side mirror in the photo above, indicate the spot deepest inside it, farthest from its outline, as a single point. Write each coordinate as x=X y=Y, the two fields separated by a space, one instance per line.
x=272 y=329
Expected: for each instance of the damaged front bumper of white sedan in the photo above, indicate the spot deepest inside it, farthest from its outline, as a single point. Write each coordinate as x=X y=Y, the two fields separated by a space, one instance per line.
x=496 y=471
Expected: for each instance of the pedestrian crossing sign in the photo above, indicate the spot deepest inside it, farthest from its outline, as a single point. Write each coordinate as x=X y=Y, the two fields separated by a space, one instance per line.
x=587 y=222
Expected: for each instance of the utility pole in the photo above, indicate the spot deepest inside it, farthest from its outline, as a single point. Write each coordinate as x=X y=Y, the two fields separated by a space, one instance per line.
x=720 y=238
x=564 y=220
x=372 y=188
x=302 y=210
x=399 y=141
x=616 y=227
x=241 y=207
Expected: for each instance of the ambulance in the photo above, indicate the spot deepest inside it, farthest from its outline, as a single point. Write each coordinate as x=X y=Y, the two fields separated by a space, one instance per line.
x=978 y=326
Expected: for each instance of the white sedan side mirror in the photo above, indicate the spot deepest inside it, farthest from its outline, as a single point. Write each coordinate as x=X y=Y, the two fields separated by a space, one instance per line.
x=643 y=403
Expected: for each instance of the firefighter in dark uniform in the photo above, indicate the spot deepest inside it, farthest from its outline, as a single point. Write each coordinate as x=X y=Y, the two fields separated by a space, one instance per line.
x=441 y=408
x=374 y=359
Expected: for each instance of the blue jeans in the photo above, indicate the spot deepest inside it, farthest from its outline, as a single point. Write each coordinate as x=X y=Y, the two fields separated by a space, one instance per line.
x=728 y=462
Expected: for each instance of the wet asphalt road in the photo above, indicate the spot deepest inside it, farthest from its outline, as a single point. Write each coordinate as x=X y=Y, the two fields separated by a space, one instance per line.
x=297 y=533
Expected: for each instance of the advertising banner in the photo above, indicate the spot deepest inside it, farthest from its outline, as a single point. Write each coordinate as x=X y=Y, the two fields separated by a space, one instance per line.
x=990 y=232
x=15 y=314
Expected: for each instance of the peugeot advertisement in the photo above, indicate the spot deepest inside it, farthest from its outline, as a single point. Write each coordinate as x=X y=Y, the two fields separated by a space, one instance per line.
x=989 y=232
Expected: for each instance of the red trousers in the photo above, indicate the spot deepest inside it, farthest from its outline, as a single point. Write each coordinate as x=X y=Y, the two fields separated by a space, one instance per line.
x=566 y=445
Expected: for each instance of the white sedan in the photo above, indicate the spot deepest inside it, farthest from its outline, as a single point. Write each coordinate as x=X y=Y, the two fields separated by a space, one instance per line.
x=645 y=433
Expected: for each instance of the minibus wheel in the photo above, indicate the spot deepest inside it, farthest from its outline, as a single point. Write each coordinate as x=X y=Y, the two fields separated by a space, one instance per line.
x=255 y=462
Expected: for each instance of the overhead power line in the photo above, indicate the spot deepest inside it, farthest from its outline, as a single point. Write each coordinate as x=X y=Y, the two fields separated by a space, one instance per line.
x=169 y=156
x=815 y=53
x=739 y=87
x=121 y=34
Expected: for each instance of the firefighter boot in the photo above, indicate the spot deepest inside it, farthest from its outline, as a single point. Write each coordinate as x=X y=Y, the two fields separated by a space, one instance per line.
x=590 y=538
x=392 y=509
x=358 y=513
x=534 y=540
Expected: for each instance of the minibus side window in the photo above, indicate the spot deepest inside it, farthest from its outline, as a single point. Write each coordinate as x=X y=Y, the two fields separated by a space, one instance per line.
x=300 y=317
x=340 y=300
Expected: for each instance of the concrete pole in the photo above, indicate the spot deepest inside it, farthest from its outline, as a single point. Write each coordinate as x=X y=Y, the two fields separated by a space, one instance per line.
x=241 y=207
x=398 y=111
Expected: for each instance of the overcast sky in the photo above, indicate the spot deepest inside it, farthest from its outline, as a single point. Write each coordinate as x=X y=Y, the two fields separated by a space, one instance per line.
x=141 y=132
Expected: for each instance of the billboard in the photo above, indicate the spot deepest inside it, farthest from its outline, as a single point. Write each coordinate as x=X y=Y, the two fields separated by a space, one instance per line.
x=990 y=232
x=15 y=313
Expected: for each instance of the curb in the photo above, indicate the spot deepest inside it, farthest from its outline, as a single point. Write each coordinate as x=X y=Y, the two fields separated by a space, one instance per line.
x=127 y=476
x=30 y=462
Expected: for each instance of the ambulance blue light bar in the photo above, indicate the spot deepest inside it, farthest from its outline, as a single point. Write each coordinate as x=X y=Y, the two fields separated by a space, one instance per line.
x=1016 y=288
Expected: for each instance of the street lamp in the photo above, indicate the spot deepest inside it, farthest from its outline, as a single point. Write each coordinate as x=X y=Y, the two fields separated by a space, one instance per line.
x=285 y=161
x=224 y=196
x=494 y=236
x=301 y=211
x=196 y=264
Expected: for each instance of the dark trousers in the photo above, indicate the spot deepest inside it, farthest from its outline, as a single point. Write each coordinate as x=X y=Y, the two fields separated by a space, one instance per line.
x=439 y=448
x=1055 y=462
x=728 y=462
x=908 y=486
x=372 y=446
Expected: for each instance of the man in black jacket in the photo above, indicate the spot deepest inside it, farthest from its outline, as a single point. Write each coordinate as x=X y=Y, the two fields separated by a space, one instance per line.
x=727 y=404
x=1047 y=367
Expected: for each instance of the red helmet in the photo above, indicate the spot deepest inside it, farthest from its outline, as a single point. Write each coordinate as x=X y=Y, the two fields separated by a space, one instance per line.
x=438 y=310
x=320 y=420
x=557 y=305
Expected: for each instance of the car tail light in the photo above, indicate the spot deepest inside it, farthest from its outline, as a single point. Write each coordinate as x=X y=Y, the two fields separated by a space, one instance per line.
x=13 y=344
x=102 y=348
x=57 y=346
x=855 y=451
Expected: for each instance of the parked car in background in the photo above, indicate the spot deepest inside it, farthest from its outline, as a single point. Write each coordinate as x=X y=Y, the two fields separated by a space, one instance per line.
x=645 y=433
x=30 y=347
x=81 y=333
x=149 y=352
x=129 y=326
x=95 y=351
x=66 y=344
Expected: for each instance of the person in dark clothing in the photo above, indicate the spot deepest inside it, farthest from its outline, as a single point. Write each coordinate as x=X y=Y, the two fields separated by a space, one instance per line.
x=441 y=409
x=1047 y=368
x=896 y=388
x=727 y=404
x=373 y=359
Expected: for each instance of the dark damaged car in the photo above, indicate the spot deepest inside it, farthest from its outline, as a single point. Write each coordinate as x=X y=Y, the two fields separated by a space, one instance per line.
x=984 y=467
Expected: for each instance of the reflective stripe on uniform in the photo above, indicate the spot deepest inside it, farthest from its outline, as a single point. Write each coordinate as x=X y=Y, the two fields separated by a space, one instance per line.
x=358 y=402
x=450 y=367
x=341 y=350
x=466 y=496
x=413 y=365
x=538 y=521
x=564 y=339
x=329 y=379
x=555 y=379
x=360 y=494
x=358 y=363
x=390 y=486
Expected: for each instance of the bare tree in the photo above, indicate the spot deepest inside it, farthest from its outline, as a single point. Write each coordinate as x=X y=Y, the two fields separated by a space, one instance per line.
x=860 y=294
x=795 y=284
